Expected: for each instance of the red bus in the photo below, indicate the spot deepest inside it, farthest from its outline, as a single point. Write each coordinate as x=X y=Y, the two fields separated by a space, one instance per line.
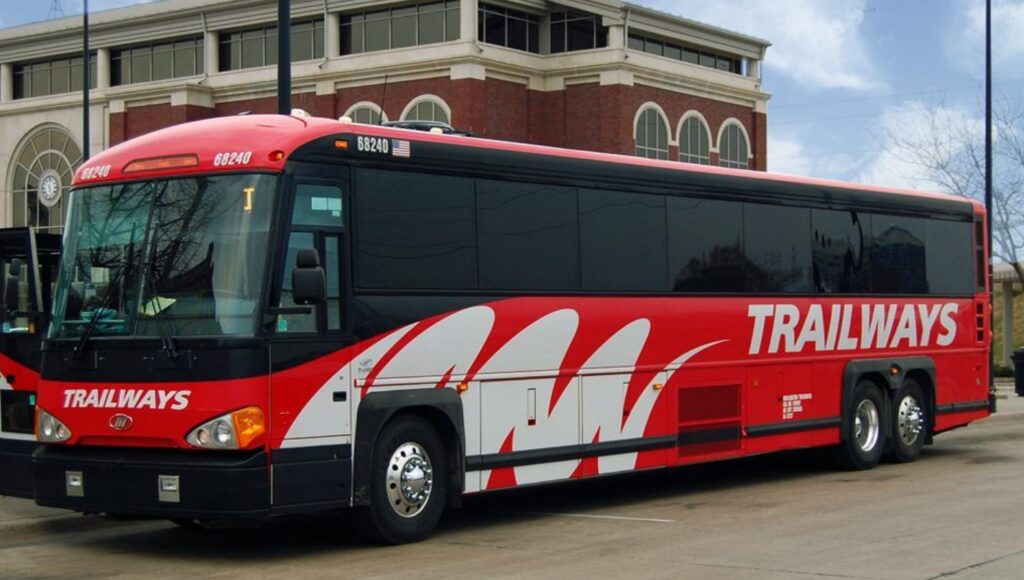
x=265 y=315
x=28 y=268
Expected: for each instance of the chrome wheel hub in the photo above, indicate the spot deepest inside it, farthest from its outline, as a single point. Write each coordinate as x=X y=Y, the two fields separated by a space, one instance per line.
x=410 y=479
x=909 y=420
x=866 y=425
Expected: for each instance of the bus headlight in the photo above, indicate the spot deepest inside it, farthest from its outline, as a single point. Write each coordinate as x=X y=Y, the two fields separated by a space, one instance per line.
x=236 y=430
x=49 y=429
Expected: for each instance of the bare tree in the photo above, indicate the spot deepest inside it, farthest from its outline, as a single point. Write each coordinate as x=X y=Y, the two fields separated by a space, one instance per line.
x=949 y=151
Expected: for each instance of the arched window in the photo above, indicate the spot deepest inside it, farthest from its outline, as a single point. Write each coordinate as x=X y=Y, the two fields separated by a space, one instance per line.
x=651 y=134
x=427 y=108
x=43 y=166
x=366 y=112
x=733 y=150
x=694 y=140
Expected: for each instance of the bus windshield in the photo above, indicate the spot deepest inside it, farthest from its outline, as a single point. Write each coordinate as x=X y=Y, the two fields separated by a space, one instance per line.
x=179 y=256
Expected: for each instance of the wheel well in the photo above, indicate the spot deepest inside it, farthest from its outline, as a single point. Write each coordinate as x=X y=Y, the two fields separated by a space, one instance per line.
x=888 y=375
x=452 y=445
x=875 y=378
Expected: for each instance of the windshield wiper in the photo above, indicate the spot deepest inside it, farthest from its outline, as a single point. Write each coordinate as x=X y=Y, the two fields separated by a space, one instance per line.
x=108 y=300
x=166 y=338
x=83 y=340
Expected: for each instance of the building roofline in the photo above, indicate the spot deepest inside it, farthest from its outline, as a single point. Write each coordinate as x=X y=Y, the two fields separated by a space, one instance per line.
x=688 y=22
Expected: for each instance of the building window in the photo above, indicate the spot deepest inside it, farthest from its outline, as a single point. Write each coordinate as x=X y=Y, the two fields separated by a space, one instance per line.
x=367 y=113
x=156 y=62
x=426 y=23
x=43 y=167
x=651 y=134
x=576 y=31
x=694 y=141
x=52 y=77
x=733 y=150
x=692 y=55
x=509 y=28
x=257 y=47
x=428 y=109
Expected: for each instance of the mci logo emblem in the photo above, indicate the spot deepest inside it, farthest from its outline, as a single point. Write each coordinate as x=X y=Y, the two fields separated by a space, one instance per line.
x=121 y=422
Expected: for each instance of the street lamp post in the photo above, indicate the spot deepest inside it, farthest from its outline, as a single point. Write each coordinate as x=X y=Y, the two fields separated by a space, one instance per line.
x=284 y=57
x=85 y=81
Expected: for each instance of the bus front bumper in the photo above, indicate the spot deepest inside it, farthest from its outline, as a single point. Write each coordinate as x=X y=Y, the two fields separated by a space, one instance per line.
x=156 y=483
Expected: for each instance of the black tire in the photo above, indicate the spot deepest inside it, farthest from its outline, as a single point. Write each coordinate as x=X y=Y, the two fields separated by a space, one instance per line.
x=908 y=422
x=864 y=437
x=388 y=520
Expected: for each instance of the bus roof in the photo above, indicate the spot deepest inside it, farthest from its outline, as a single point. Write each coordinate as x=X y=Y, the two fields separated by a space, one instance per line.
x=265 y=143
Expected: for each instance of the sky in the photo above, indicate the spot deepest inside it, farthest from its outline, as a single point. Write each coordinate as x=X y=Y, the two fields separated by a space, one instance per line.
x=845 y=75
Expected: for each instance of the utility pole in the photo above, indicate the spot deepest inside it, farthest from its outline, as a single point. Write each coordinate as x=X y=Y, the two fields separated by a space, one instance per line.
x=85 y=81
x=988 y=187
x=284 y=57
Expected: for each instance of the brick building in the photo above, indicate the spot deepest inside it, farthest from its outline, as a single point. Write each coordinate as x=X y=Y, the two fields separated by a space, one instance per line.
x=589 y=74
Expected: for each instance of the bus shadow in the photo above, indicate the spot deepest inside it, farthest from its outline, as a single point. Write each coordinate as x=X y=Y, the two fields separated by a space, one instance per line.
x=332 y=533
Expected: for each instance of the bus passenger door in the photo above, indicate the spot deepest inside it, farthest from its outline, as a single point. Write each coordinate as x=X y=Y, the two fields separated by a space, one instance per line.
x=310 y=384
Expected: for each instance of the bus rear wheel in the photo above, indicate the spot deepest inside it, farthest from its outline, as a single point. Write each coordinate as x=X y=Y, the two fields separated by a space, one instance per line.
x=909 y=421
x=408 y=483
x=864 y=439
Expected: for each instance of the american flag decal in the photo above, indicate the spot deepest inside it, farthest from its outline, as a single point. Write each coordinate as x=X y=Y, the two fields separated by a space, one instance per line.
x=399 y=147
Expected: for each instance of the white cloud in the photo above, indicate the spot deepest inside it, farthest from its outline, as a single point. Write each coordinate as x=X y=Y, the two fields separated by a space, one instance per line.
x=818 y=43
x=787 y=155
x=914 y=131
x=965 y=41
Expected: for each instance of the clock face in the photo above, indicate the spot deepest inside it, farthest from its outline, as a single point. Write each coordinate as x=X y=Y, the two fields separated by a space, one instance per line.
x=49 y=188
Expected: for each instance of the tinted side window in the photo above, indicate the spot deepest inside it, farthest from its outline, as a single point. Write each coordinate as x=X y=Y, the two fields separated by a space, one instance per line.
x=415 y=231
x=528 y=236
x=318 y=205
x=622 y=241
x=949 y=257
x=294 y=322
x=841 y=242
x=898 y=255
x=705 y=245
x=775 y=243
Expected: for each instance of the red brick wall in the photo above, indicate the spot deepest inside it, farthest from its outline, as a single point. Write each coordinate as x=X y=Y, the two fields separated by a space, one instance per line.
x=137 y=121
x=585 y=116
x=547 y=124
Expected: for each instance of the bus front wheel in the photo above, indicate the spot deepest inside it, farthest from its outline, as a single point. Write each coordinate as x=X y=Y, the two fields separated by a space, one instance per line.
x=864 y=439
x=408 y=481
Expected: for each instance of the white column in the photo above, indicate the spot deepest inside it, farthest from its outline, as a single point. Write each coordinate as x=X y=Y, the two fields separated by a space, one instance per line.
x=544 y=36
x=332 y=35
x=211 y=48
x=1007 y=323
x=103 y=68
x=467 y=19
x=617 y=36
x=754 y=69
x=6 y=82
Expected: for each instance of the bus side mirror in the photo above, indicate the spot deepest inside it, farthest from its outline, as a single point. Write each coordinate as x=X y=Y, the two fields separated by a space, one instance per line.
x=308 y=280
x=11 y=285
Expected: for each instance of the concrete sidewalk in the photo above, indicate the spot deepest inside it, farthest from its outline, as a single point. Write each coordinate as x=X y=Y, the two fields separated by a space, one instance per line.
x=23 y=515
